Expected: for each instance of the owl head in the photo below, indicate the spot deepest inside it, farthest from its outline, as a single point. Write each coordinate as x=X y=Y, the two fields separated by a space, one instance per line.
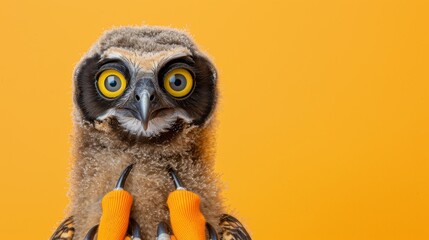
x=146 y=82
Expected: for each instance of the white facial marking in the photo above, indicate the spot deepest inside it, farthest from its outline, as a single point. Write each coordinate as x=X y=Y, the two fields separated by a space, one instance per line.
x=161 y=123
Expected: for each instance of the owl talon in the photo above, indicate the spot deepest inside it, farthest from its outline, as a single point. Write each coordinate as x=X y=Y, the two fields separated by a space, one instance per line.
x=211 y=232
x=121 y=181
x=91 y=233
x=177 y=182
x=163 y=232
x=134 y=230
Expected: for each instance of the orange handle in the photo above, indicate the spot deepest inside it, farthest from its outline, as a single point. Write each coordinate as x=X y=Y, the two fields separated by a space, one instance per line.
x=187 y=221
x=114 y=220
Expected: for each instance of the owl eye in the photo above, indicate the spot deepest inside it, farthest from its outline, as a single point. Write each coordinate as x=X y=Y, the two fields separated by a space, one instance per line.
x=111 y=83
x=178 y=82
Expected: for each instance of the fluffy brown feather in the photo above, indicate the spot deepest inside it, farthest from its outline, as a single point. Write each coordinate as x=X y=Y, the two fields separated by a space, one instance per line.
x=100 y=158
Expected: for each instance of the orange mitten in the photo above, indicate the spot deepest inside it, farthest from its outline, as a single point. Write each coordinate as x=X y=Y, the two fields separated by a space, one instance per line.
x=187 y=221
x=114 y=221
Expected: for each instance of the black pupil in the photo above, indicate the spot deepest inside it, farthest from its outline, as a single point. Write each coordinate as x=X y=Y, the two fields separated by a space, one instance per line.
x=112 y=83
x=178 y=82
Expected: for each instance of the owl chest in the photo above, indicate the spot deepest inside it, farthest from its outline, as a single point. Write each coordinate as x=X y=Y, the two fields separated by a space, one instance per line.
x=100 y=160
x=148 y=181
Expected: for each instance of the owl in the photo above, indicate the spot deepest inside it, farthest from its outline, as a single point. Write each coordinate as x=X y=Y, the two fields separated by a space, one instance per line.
x=144 y=96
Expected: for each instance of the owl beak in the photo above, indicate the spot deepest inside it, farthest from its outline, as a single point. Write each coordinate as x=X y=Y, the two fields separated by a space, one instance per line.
x=144 y=108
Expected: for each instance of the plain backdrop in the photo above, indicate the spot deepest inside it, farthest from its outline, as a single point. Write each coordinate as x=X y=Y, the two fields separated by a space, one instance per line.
x=323 y=121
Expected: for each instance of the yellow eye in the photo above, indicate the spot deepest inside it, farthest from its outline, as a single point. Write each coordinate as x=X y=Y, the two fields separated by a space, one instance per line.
x=111 y=83
x=178 y=82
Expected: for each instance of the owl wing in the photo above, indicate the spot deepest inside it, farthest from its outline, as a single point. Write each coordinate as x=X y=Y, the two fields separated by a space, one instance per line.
x=232 y=229
x=65 y=231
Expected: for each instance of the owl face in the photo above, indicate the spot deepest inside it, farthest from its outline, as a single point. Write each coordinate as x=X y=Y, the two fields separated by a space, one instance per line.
x=146 y=86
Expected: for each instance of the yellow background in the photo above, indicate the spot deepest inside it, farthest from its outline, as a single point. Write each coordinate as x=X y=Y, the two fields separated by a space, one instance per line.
x=323 y=122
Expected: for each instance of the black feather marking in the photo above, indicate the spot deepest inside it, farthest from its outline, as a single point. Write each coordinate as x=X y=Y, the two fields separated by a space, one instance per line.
x=201 y=102
x=87 y=97
x=65 y=231
x=232 y=229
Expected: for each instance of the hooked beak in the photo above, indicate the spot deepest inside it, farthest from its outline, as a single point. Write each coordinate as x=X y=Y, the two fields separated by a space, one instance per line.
x=145 y=100
x=144 y=108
